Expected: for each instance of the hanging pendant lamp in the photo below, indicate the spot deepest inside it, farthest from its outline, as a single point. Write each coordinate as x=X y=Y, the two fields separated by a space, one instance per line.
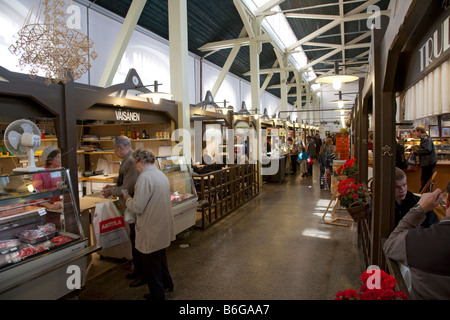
x=337 y=79
x=341 y=102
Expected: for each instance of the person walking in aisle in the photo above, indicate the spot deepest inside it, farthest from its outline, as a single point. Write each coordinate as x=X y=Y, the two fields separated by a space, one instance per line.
x=311 y=151
x=324 y=165
x=427 y=155
x=303 y=159
x=126 y=180
x=293 y=153
x=318 y=143
x=154 y=223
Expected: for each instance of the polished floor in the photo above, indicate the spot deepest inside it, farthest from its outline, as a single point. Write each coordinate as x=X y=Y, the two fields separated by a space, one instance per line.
x=274 y=247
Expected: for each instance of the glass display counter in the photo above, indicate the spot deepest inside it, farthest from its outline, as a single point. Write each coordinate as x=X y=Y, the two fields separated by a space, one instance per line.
x=43 y=248
x=183 y=194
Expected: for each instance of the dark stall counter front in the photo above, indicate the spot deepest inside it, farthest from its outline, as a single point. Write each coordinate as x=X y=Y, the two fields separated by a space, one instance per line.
x=442 y=177
x=281 y=172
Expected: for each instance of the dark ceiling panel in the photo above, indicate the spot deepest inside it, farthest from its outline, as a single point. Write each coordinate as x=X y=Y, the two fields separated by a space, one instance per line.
x=210 y=21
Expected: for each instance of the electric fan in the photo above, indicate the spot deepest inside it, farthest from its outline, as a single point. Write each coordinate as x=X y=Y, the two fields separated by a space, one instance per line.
x=22 y=137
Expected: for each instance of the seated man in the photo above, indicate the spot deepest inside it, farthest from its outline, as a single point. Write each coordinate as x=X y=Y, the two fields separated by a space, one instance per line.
x=405 y=200
x=424 y=250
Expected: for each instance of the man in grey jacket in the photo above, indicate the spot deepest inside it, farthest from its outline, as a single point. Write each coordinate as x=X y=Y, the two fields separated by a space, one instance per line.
x=426 y=251
x=427 y=155
x=126 y=180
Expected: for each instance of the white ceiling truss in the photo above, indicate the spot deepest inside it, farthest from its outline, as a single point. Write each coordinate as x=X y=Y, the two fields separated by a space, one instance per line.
x=283 y=65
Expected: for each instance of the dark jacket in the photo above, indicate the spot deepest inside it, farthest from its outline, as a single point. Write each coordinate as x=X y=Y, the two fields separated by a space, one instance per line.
x=400 y=161
x=427 y=153
x=311 y=149
x=425 y=252
x=410 y=200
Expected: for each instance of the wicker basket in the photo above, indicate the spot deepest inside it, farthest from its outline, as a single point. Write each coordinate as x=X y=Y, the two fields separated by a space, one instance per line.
x=358 y=211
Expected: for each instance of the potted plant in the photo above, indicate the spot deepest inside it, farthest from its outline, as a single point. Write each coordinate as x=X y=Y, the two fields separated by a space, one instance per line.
x=353 y=197
x=349 y=168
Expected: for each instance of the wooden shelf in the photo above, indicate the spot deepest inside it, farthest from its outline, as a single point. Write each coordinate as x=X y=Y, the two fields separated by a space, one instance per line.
x=119 y=124
x=132 y=140
x=94 y=152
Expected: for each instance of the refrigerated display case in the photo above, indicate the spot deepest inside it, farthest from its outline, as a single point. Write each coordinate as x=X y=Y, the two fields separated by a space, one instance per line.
x=183 y=194
x=43 y=250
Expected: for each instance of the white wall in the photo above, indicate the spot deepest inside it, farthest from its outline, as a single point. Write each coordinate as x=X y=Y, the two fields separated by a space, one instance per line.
x=146 y=52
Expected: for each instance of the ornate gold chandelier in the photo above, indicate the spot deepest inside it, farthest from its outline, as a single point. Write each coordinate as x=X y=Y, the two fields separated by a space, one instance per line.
x=52 y=47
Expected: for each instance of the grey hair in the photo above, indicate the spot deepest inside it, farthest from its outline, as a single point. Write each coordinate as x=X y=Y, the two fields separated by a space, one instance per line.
x=143 y=155
x=122 y=141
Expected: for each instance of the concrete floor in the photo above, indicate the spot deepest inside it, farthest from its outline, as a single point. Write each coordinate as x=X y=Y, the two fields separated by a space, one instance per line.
x=274 y=247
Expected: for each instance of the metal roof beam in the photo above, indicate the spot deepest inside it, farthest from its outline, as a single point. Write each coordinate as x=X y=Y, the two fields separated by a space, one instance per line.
x=353 y=15
x=130 y=22
x=227 y=65
x=227 y=44
x=267 y=80
x=267 y=7
x=245 y=17
x=272 y=70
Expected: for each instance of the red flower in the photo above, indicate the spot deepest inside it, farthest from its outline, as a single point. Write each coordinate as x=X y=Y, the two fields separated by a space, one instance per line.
x=385 y=292
x=349 y=294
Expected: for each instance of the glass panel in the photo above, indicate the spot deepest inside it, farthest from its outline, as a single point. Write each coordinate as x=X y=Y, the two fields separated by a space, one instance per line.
x=37 y=215
x=180 y=178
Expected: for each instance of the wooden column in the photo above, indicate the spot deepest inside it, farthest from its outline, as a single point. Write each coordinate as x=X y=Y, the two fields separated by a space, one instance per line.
x=381 y=159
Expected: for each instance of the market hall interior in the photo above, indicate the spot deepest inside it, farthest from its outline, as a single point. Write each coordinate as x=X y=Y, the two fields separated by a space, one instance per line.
x=274 y=247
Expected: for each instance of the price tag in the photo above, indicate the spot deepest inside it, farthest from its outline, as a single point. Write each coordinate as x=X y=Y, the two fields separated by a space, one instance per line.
x=42 y=211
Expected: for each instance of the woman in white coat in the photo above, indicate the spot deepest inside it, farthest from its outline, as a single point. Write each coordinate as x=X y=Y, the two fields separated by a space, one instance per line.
x=154 y=222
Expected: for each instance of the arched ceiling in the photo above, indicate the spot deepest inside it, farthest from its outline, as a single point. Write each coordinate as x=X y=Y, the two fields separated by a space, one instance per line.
x=328 y=30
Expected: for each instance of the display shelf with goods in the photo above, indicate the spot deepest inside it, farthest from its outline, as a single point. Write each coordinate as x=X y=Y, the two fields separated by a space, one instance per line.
x=442 y=147
x=98 y=164
x=182 y=191
x=38 y=243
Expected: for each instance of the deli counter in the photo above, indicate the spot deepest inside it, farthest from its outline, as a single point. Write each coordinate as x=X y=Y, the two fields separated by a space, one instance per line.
x=43 y=251
x=182 y=191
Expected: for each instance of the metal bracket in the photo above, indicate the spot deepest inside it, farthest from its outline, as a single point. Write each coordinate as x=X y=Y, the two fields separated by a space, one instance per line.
x=386 y=150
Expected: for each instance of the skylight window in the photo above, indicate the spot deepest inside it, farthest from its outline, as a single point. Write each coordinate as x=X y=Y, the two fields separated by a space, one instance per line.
x=280 y=30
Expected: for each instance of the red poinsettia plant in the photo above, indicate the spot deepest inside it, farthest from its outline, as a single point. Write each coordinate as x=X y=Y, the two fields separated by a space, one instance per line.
x=348 y=168
x=377 y=285
x=351 y=192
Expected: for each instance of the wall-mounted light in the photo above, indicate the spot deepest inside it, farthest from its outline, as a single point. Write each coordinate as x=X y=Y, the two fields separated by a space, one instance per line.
x=224 y=109
x=243 y=111
x=255 y=115
x=208 y=104
x=155 y=96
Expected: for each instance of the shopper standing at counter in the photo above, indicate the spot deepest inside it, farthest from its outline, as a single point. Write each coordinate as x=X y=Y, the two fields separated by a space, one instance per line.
x=427 y=155
x=154 y=223
x=126 y=180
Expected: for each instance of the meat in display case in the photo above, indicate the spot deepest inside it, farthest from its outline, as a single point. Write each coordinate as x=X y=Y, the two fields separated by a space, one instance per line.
x=183 y=194
x=43 y=248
